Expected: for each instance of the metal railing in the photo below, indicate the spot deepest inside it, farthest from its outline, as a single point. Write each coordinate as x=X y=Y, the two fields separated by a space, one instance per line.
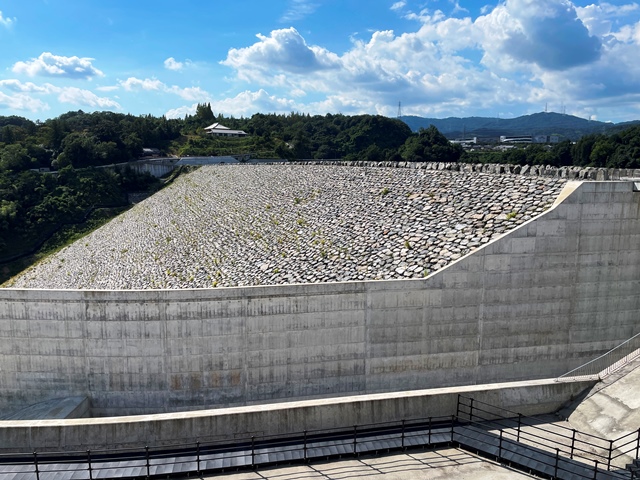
x=555 y=443
x=609 y=362
x=246 y=453
x=525 y=442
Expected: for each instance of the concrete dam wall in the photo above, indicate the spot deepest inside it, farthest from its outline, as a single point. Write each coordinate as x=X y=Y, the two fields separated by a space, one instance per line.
x=552 y=294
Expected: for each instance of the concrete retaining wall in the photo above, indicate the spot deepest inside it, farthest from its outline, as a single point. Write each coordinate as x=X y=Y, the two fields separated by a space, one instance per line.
x=528 y=398
x=552 y=294
x=158 y=167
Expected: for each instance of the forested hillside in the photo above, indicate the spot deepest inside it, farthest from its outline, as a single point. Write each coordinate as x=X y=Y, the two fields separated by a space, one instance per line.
x=569 y=127
x=48 y=174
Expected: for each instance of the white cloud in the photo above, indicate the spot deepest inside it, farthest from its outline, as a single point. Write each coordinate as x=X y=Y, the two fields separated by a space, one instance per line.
x=599 y=19
x=6 y=22
x=457 y=8
x=189 y=93
x=51 y=65
x=28 y=87
x=108 y=88
x=147 y=84
x=298 y=9
x=247 y=102
x=87 y=98
x=629 y=34
x=284 y=50
x=153 y=84
x=244 y=104
x=172 y=64
x=22 y=102
x=180 y=112
x=399 y=5
x=73 y=95
x=547 y=33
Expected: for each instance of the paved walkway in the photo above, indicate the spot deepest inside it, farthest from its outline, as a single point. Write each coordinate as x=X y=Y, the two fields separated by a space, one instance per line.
x=444 y=463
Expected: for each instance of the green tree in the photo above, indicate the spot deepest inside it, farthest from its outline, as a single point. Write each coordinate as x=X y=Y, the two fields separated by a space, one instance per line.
x=78 y=150
x=14 y=157
x=204 y=114
x=562 y=153
x=602 y=149
x=581 y=151
x=429 y=145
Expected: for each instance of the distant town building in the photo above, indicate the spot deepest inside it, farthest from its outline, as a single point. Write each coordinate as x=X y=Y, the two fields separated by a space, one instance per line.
x=464 y=141
x=529 y=139
x=220 y=130
x=516 y=139
x=546 y=139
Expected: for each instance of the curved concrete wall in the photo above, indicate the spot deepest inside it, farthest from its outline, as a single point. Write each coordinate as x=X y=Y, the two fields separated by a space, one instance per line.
x=541 y=300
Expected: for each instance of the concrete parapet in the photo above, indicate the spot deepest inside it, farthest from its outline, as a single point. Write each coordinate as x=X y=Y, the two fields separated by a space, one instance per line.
x=527 y=398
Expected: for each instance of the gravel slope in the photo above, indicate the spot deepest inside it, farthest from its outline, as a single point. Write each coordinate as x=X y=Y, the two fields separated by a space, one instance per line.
x=233 y=225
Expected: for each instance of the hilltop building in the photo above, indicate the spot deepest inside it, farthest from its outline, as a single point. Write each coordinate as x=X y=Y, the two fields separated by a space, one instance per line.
x=219 y=130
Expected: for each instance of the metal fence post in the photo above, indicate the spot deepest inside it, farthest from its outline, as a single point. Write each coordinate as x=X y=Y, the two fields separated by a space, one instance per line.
x=452 y=424
x=89 y=464
x=430 y=418
x=638 y=444
x=471 y=410
x=253 y=452
x=402 y=435
x=35 y=463
x=573 y=442
x=595 y=470
x=355 y=440
x=555 y=475
x=198 y=456
x=304 y=448
x=610 y=455
x=146 y=449
x=500 y=447
x=458 y=407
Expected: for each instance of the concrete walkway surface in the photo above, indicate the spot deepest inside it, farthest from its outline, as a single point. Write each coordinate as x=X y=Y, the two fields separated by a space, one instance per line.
x=612 y=408
x=444 y=463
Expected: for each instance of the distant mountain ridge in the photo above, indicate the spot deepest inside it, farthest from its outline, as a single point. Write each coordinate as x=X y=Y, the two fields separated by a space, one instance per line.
x=544 y=123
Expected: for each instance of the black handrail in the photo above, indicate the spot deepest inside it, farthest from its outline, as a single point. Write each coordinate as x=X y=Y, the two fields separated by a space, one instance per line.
x=249 y=452
x=548 y=462
x=572 y=443
x=517 y=437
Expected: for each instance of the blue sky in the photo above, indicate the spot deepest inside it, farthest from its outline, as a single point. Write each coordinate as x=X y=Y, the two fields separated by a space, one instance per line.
x=439 y=58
